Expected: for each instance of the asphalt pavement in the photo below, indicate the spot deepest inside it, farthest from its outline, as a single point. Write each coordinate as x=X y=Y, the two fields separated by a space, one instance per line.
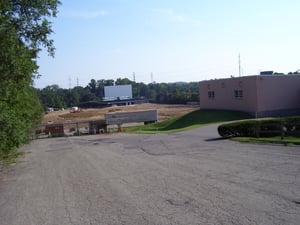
x=186 y=178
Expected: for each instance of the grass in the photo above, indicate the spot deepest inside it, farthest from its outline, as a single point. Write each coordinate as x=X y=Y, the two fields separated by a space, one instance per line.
x=276 y=140
x=189 y=121
x=12 y=157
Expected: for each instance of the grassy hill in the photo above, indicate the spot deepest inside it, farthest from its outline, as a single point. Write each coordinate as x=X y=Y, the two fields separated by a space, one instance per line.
x=191 y=120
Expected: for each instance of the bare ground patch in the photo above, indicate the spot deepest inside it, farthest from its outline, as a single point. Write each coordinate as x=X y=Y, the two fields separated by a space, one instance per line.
x=164 y=112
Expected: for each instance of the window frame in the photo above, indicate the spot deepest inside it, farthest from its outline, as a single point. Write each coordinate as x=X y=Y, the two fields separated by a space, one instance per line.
x=238 y=93
x=211 y=94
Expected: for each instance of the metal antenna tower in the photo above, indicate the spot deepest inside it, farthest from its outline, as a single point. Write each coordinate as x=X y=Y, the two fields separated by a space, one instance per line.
x=239 y=64
x=69 y=82
x=133 y=76
x=151 y=77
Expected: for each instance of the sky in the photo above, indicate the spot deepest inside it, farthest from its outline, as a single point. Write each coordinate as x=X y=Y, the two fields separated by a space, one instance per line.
x=174 y=40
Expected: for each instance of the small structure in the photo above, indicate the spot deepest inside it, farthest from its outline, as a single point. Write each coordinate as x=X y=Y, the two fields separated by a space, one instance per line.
x=55 y=130
x=97 y=126
x=148 y=116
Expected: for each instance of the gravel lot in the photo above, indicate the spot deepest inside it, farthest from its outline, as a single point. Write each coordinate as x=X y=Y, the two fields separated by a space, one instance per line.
x=184 y=178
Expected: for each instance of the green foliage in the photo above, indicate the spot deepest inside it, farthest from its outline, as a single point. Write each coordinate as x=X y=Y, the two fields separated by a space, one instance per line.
x=30 y=20
x=15 y=59
x=55 y=97
x=201 y=117
x=18 y=116
x=287 y=141
x=52 y=96
x=296 y=72
x=23 y=29
x=191 y=120
x=173 y=93
x=292 y=125
x=245 y=128
x=289 y=126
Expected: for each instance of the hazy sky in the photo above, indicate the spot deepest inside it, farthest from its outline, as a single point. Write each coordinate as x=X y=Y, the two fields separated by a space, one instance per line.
x=176 y=40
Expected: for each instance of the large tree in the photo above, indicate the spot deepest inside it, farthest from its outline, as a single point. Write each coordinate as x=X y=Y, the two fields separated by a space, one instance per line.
x=30 y=20
x=24 y=30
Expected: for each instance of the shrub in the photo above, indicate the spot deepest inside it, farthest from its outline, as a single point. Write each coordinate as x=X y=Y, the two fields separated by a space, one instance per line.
x=264 y=128
x=292 y=125
x=238 y=129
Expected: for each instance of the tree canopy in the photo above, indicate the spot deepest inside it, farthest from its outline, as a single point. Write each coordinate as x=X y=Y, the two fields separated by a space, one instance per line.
x=168 y=93
x=24 y=30
x=30 y=20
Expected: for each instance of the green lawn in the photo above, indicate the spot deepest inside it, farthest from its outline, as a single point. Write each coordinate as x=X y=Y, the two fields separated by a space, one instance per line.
x=276 y=140
x=191 y=120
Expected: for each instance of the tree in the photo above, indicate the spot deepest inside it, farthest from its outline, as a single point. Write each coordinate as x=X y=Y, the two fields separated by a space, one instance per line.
x=144 y=90
x=24 y=29
x=30 y=20
x=110 y=82
x=123 y=81
x=168 y=93
x=100 y=88
x=92 y=86
x=53 y=96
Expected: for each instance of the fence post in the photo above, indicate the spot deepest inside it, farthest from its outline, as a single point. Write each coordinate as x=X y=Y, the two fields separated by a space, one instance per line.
x=77 y=127
x=283 y=129
x=257 y=128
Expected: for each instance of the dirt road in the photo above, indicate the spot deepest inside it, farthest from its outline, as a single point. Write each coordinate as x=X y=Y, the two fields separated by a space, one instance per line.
x=183 y=178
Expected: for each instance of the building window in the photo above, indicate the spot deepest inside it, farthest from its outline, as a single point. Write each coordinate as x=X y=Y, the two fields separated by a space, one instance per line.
x=211 y=94
x=238 y=94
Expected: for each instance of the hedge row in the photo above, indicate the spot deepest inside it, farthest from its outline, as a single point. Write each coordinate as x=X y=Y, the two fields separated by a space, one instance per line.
x=289 y=126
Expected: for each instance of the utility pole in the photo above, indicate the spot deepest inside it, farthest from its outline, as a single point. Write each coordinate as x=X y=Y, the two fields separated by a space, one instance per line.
x=239 y=64
x=133 y=76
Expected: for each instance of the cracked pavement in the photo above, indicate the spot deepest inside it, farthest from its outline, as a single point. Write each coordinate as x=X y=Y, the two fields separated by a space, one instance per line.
x=183 y=178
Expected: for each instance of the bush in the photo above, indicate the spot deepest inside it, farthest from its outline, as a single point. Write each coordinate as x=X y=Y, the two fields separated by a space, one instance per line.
x=289 y=126
x=238 y=129
x=18 y=117
x=292 y=125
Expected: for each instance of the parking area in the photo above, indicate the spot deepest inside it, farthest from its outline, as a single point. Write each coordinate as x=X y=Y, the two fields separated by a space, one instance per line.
x=192 y=177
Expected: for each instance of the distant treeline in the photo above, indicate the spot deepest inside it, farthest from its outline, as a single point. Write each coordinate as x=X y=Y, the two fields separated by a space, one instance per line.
x=167 y=93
